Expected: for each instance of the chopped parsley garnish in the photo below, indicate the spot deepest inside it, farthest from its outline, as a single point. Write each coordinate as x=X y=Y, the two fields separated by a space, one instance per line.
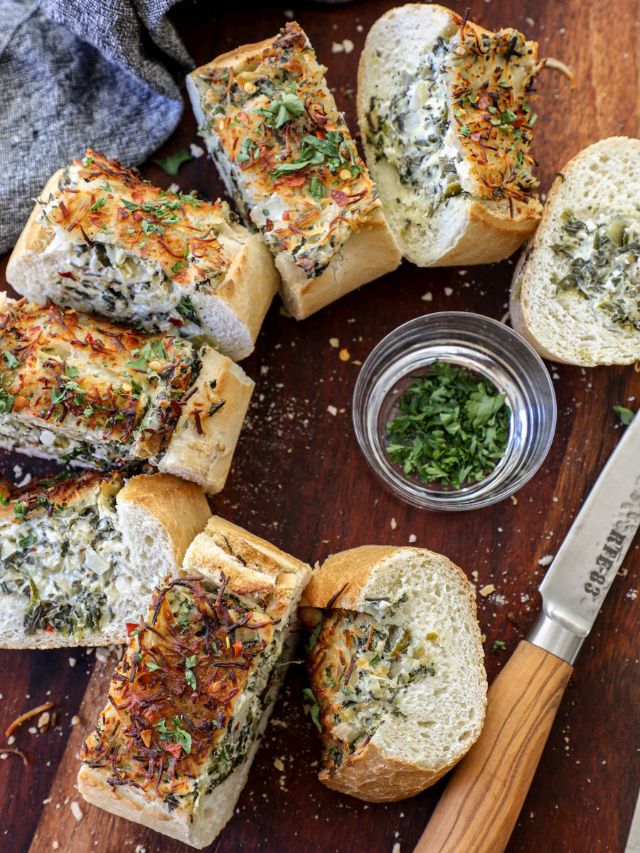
x=452 y=427
x=189 y=671
x=315 y=708
x=171 y=164
x=333 y=151
x=6 y=401
x=313 y=637
x=10 y=359
x=280 y=112
x=498 y=646
x=98 y=203
x=177 y=735
x=152 y=666
x=626 y=415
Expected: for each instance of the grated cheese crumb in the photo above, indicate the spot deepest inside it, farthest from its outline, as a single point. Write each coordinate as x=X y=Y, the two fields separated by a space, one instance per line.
x=412 y=538
x=487 y=590
x=394 y=524
x=546 y=560
x=332 y=410
x=76 y=811
x=72 y=662
x=427 y=297
x=334 y=342
x=196 y=151
x=75 y=720
x=278 y=764
x=448 y=291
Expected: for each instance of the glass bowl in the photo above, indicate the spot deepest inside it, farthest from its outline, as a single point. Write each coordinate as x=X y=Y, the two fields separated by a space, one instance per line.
x=484 y=347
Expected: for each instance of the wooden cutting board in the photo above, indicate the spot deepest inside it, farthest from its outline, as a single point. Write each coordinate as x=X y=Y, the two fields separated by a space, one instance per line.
x=299 y=479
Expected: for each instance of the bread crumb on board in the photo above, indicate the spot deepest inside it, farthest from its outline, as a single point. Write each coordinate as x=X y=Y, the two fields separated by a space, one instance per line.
x=76 y=811
x=334 y=342
x=487 y=590
x=546 y=560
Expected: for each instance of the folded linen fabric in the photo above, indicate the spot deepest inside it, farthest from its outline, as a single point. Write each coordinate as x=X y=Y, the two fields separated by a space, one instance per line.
x=98 y=72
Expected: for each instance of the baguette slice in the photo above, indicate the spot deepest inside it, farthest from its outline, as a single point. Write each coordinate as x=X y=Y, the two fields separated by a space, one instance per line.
x=102 y=240
x=287 y=158
x=396 y=666
x=446 y=131
x=79 y=555
x=576 y=303
x=87 y=391
x=213 y=663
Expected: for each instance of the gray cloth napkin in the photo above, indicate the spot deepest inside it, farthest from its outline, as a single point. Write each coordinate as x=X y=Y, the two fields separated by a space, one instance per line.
x=79 y=73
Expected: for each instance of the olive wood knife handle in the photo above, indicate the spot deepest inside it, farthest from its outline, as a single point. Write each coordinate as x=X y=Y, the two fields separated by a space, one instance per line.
x=479 y=807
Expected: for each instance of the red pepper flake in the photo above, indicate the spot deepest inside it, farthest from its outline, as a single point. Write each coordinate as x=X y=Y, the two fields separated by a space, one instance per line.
x=174 y=748
x=67 y=275
x=131 y=627
x=340 y=198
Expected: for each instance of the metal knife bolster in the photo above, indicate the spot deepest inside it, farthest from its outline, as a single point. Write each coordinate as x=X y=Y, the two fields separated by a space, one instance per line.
x=593 y=551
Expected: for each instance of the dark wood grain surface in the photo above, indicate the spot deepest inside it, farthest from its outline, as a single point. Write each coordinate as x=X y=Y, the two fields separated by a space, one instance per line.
x=299 y=479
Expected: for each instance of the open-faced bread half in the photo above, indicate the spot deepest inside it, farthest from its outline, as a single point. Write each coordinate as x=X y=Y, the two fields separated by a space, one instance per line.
x=192 y=695
x=446 y=128
x=287 y=158
x=78 y=555
x=396 y=667
x=80 y=389
x=102 y=240
x=576 y=289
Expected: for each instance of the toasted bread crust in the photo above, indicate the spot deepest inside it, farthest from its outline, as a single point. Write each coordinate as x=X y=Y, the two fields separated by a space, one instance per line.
x=491 y=231
x=176 y=510
x=219 y=262
x=523 y=283
x=179 y=507
x=187 y=819
x=203 y=443
x=371 y=774
x=369 y=252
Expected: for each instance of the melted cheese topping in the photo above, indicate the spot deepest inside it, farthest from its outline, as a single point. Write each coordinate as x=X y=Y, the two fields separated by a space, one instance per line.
x=70 y=381
x=187 y=698
x=359 y=666
x=64 y=566
x=285 y=150
x=459 y=123
x=181 y=236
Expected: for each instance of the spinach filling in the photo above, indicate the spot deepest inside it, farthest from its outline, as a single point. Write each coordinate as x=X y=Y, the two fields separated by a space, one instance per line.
x=603 y=257
x=63 y=566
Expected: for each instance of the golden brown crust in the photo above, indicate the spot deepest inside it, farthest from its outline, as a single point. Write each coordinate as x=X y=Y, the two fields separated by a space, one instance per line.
x=203 y=443
x=179 y=507
x=491 y=234
x=494 y=229
x=348 y=571
x=63 y=368
x=365 y=248
x=198 y=246
x=361 y=777
x=370 y=774
x=366 y=256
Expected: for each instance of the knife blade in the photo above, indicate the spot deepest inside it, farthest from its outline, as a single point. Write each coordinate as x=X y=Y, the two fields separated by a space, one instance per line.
x=481 y=803
x=588 y=560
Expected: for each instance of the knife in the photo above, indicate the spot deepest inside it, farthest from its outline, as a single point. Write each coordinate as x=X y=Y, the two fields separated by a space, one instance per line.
x=480 y=806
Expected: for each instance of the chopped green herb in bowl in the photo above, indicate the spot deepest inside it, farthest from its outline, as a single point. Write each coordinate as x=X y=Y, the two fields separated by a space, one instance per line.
x=451 y=427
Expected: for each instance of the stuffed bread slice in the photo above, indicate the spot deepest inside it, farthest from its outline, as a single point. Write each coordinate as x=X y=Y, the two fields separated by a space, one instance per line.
x=83 y=390
x=287 y=158
x=576 y=289
x=192 y=695
x=102 y=240
x=396 y=667
x=446 y=128
x=79 y=555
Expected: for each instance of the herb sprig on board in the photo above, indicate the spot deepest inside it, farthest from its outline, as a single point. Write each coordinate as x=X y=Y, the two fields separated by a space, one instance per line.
x=452 y=428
